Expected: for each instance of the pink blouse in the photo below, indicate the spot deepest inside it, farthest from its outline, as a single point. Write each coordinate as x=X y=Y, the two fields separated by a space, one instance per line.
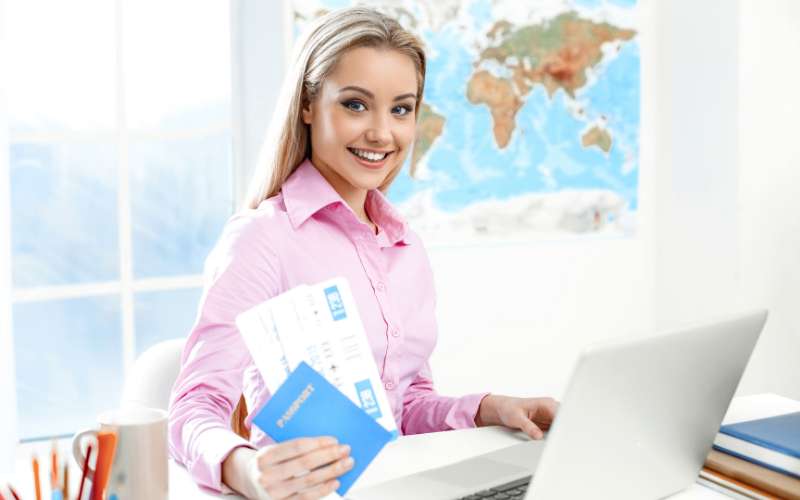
x=305 y=235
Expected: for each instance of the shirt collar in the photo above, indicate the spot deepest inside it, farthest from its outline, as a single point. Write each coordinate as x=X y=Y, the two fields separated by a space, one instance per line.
x=306 y=192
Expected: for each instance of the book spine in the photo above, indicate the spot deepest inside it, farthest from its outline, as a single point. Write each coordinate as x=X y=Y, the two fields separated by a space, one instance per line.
x=757 y=461
x=772 y=482
x=734 y=485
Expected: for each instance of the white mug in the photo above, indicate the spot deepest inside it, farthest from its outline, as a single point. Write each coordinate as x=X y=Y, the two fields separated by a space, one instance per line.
x=140 y=469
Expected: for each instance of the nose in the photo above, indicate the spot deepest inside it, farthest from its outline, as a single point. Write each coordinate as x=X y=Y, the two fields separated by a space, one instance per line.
x=379 y=131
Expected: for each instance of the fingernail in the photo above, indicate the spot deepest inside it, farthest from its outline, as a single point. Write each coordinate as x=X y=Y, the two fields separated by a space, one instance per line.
x=344 y=449
x=349 y=462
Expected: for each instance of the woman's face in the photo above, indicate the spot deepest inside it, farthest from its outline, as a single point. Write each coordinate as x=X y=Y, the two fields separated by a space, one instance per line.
x=362 y=119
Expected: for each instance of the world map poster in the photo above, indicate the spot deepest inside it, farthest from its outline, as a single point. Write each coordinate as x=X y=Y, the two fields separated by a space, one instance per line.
x=529 y=127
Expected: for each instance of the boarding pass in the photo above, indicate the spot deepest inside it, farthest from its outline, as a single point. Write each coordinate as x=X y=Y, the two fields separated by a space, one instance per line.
x=318 y=324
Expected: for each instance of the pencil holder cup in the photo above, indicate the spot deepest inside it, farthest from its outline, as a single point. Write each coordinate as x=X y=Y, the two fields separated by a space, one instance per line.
x=139 y=469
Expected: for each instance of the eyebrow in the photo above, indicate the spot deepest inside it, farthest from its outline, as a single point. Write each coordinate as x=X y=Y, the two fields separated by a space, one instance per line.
x=372 y=96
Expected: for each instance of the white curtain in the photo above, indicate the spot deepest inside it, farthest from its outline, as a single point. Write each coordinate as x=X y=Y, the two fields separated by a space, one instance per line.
x=8 y=400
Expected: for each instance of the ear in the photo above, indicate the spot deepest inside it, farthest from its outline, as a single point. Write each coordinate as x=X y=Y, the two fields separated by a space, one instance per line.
x=307 y=114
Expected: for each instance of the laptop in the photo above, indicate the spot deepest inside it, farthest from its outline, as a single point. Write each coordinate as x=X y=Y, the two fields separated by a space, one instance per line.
x=636 y=422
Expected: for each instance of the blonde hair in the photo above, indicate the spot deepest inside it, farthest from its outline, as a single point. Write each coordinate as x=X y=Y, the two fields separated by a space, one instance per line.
x=287 y=141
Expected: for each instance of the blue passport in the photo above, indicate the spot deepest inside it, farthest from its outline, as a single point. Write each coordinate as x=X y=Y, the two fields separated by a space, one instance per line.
x=307 y=405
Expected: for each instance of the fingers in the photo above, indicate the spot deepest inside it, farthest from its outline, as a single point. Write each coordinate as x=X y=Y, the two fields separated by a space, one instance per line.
x=321 y=475
x=531 y=429
x=545 y=412
x=302 y=465
x=319 y=491
x=303 y=468
x=319 y=479
x=540 y=410
x=294 y=448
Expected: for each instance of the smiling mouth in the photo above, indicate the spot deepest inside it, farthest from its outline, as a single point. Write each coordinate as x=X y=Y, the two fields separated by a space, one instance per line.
x=370 y=156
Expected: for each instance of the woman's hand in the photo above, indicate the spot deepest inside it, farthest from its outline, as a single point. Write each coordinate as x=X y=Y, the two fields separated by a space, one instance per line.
x=531 y=415
x=304 y=468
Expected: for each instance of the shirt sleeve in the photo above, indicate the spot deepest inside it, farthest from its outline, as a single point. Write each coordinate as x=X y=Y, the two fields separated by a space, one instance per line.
x=240 y=273
x=426 y=411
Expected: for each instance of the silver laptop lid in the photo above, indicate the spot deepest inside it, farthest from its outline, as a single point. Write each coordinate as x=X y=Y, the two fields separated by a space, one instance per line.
x=639 y=416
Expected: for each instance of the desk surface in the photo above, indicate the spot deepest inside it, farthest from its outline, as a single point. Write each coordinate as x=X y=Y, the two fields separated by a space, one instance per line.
x=411 y=454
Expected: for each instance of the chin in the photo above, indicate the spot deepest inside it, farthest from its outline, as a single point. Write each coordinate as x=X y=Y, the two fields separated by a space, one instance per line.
x=367 y=182
x=363 y=178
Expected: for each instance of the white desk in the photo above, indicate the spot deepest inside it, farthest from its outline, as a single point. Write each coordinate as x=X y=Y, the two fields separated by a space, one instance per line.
x=411 y=454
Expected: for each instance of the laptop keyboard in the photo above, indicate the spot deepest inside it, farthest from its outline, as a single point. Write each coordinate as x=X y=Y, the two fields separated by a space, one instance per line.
x=515 y=490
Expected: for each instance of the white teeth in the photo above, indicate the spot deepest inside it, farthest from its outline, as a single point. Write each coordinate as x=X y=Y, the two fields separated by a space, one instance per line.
x=369 y=155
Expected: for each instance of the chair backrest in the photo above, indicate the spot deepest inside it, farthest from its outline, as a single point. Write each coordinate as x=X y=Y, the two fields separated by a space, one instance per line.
x=150 y=381
x=154 y=373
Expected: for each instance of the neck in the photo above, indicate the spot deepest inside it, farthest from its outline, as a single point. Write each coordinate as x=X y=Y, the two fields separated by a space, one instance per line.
x=356 y=198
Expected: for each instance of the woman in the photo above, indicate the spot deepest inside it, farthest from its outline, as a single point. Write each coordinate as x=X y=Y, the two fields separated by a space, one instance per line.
x=345 y=123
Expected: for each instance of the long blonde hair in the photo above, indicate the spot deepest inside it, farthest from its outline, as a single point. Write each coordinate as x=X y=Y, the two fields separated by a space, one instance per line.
x=287 y=141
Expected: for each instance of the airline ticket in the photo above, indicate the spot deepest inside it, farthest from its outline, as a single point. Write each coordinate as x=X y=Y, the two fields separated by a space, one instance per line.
x=318 y=324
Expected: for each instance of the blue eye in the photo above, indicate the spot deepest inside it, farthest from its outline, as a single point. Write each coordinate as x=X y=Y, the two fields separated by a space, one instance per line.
x=356 y=106
x=402 y=110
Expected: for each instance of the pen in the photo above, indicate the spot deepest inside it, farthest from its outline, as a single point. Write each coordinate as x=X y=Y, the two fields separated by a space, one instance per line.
x=13 y=492
x=36 y=484
x=85 y=471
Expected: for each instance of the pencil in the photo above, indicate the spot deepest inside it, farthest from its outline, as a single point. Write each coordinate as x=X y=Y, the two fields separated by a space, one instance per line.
x=65 y=482
x=13 y=492
x=54 y=465
x=85 y=471
x=106 y=446
x=36 y=484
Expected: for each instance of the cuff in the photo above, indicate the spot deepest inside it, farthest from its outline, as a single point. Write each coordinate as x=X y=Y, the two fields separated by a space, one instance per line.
x=462 y=413
x=218 y=444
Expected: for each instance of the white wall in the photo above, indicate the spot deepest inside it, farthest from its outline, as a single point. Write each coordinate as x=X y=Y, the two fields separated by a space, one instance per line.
x=8 y=394
x=696 y=165
x=769 y=188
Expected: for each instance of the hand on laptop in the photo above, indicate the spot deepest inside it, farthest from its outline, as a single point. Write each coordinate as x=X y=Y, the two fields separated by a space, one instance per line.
x=533 y=416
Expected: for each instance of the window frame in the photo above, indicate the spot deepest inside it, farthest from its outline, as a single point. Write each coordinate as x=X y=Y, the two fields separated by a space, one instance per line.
x=258 y=34
x=127 y=286
x=8 y=388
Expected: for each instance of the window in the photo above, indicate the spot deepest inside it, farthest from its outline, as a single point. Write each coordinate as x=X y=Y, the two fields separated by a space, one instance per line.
x=120 y=174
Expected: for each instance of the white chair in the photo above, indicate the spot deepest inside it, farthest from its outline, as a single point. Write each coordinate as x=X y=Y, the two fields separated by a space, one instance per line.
x=150 y=381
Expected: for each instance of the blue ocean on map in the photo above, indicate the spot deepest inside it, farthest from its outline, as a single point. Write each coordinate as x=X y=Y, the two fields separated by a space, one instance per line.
x=545 y=153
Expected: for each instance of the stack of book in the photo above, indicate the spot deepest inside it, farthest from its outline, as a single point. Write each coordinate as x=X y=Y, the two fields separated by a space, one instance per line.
x=756 y=459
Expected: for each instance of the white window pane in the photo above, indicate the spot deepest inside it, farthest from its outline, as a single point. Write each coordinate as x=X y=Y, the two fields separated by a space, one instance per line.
x=177 y=63
x=181 y=195
x=63 y=213
x=60 y=65
x=164 y=315
x=68 y=357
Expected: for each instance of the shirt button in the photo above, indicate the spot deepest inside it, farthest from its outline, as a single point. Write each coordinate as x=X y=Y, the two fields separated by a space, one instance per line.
x=389 y=386
x=395 y=333
x=379 y=286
